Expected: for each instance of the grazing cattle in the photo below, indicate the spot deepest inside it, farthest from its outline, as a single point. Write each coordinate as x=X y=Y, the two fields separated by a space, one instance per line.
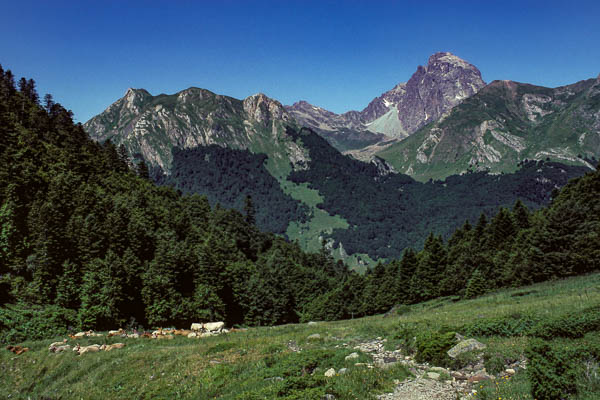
x=133 y=336
x=18 y=350
x=214 y=326
x=94 y=348
x=115 y=333
x=147 y=335
x=192 y=335
x=60 y=349
x=109 y=347
x=56 y=344
x=168 y=337
x=197 y=327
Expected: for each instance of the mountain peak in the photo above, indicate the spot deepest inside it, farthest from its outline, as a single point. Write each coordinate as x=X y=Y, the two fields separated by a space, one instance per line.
x=449 y=58
x=264 y=109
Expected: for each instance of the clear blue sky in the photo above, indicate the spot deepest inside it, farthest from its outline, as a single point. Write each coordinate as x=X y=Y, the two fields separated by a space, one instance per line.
x=335 y=54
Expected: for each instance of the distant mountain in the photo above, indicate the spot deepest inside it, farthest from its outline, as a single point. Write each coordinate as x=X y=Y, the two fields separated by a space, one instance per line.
x=432 y=90
x=301 y=186
x=503 y=124
x=153 y=125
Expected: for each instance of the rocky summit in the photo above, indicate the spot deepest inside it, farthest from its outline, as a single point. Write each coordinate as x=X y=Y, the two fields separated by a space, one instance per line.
x=152 y=126
x=503 y=124
x=432 y=90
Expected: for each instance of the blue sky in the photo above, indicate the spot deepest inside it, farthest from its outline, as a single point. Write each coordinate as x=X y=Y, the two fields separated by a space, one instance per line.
x=335 y=54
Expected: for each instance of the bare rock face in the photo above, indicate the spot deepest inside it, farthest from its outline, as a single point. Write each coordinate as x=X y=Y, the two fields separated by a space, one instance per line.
x=431 y=91
x=445 y=82
x=264 y=110
x=153 y=125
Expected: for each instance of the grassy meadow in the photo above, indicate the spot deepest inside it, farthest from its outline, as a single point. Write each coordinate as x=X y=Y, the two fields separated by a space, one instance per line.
x=260 y=363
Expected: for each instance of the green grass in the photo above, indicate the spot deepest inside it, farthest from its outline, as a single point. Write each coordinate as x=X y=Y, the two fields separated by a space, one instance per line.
x=257 y=363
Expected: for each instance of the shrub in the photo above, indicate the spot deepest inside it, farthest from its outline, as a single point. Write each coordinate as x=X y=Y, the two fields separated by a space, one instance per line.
x=507 y=326
x=20 y=322
x=573 y=326
x=551 y=370
x=432 y=347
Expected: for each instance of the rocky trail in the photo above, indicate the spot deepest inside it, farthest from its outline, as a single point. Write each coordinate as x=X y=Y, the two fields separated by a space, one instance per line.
x=431 y=382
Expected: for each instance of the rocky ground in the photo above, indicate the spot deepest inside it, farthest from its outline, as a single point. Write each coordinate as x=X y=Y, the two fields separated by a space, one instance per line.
x=431 y=382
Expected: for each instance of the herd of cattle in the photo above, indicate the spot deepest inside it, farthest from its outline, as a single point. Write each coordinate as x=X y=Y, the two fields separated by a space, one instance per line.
x=198 y=330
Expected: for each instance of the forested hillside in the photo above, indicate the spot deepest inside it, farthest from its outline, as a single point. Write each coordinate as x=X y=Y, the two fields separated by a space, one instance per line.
x=227 y=177
x=388 y=213
x=86 y=241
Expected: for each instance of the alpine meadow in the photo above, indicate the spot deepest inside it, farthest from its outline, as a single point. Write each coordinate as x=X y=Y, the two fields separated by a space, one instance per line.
x=439 y=242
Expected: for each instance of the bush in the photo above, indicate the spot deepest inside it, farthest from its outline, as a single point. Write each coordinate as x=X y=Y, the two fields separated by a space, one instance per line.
x=507 y=326
x=573 y=326
x=551 y=370
x=20 y=322
x=432 y=347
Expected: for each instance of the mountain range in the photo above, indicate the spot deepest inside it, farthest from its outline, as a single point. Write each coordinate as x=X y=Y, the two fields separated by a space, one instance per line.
x=443 y=121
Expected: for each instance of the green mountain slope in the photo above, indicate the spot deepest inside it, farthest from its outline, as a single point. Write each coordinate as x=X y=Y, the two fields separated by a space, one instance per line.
x=225 y=148
x=503 y=124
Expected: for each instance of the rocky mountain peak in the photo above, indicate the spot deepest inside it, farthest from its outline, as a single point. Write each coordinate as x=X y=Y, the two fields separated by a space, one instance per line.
x=264 y=109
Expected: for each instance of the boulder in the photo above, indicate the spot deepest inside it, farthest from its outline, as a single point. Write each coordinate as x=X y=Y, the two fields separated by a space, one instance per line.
x=464 y=347
x=342 y=371
x=352 y=356
x=314 y=336
x=433 y=375
x=330 y=372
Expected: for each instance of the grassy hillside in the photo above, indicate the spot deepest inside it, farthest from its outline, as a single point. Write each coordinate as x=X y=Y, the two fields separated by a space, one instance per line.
x=504 y=123
x=260 y=363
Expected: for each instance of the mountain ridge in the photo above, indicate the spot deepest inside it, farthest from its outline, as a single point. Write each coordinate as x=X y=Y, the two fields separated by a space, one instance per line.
x=433 y=89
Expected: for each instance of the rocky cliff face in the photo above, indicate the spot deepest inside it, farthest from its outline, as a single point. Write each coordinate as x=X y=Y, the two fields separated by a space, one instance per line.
x=432 y=90
x=153 y=125
x=502 y=125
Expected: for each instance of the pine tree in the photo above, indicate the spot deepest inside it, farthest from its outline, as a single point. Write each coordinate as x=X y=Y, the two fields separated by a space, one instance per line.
x=521 y=215
x=249 y=211
x=476 y=285
x=142 y=170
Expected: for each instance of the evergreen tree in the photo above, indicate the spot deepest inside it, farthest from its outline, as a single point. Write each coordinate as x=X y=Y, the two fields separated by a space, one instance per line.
x=249 y=211
x=430 y=269
x=476 y=286
x=142 y=170
x=521 y=215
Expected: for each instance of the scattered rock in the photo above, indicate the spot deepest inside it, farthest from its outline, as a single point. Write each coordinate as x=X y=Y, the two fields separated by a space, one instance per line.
x=342 y=371
x=478 y=378
x=433 y=375
x=330 y=372
x=310 y=323
x=328 y=397
x=314 y=336
x=459 y=376
x=352 y=356
x=464 y=347
x=510 y=371
x=439 y=370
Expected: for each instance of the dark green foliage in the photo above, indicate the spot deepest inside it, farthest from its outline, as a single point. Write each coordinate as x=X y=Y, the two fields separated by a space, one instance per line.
x=86 y=242
x=394 y=211
x=432 y=347
x=19 y=322
x=475 y=286
x=551 y=370
x=574 y=325
x=229 y=177
x=512 y=325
